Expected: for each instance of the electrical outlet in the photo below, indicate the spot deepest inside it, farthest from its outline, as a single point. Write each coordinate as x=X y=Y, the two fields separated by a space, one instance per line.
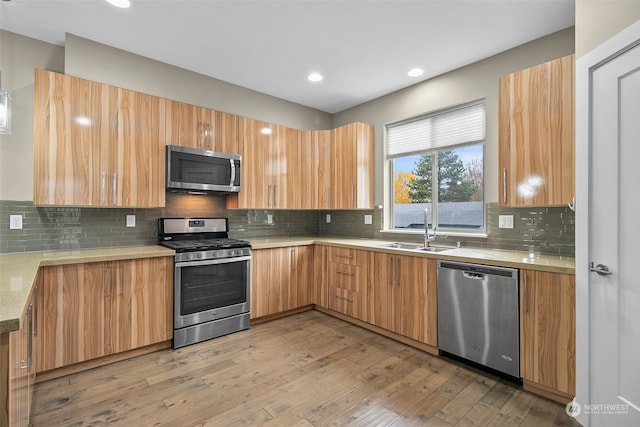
x=505 y=221
x=368 y=219
x=15 y=222
x=328 y=218
x=131 y=220
x=269 y=219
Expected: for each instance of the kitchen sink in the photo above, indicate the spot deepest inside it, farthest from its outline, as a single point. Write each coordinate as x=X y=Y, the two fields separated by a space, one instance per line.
x=410 y=246
x=431 y=249
x=414 y=247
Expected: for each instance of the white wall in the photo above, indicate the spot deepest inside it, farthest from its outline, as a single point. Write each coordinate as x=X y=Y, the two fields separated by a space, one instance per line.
x=599 y=20
x=18 y=57
x=474 y=81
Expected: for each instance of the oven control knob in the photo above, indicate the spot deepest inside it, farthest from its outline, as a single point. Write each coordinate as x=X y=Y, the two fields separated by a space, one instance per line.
x=189 y=256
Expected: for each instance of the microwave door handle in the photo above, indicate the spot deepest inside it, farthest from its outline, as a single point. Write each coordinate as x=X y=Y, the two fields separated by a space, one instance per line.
x=233 y=172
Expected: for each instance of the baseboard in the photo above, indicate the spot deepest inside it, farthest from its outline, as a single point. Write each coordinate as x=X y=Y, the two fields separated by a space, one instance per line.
x=101 y=361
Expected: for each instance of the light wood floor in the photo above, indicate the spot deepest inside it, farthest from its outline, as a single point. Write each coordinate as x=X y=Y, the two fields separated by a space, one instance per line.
x=306 y=369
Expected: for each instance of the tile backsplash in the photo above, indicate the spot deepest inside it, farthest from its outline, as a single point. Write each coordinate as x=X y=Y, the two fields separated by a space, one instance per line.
x=545 y=230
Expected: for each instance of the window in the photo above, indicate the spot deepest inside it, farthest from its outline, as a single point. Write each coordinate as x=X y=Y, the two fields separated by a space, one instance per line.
x=445 y=148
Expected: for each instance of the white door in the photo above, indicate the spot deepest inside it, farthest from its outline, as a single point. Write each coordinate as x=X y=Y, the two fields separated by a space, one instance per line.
x=613 y=250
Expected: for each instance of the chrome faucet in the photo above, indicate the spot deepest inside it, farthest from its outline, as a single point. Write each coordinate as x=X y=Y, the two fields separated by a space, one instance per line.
x=428 y=238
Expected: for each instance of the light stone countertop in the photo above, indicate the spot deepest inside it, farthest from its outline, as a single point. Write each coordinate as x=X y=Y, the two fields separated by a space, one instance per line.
x=18 y=272
x=501 y=258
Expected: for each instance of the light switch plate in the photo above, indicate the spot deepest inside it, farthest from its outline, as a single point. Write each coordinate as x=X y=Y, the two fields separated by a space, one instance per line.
x=328 y=218
x=269 y=219
x=505 y=221
x=15 y=222
x=131 y=220
x=368 y=219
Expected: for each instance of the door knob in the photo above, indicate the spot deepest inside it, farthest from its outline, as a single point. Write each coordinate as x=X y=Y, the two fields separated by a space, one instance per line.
x=601 y=269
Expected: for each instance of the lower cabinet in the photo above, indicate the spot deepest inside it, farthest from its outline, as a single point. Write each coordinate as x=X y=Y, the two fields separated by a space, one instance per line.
x=402 y=296
x=347 y=282
x=281 y=279
x=547 y=332
x=92 y=310
x=17 y=373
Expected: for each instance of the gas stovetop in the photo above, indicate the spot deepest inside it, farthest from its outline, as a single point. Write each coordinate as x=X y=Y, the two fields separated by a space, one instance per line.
x=205 y=244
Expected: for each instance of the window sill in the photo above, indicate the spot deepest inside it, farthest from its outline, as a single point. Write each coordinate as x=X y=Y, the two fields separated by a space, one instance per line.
x=443 y=234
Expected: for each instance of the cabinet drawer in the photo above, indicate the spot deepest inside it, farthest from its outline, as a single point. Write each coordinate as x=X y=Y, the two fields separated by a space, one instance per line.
x=347 y=256
x=345 y=276
x=346 y=302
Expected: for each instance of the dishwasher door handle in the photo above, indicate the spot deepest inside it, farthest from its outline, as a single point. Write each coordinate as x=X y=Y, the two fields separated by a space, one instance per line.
x=474 y=276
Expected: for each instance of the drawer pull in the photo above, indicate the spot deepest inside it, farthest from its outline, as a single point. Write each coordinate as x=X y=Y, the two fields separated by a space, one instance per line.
x=344 y=256
x=346 y=273
x=344 y=298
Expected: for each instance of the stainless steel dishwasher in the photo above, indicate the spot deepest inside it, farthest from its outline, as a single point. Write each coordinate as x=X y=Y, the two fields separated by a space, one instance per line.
x=478 y=314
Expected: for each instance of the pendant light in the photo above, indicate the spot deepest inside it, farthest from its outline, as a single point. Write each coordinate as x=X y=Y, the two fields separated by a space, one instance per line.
x=5 y=110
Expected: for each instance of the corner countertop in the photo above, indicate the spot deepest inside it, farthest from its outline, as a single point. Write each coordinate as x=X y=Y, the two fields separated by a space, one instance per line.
x=501 y=258
x=18 y=273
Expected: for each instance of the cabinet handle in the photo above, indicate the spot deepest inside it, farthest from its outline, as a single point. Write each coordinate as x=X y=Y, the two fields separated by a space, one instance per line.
x=200 y=143
x=103 y=187
x=275 y=196
x=35 y=312
x=353 y=195
x=398 y=271
x=391 y=271
x=504 y=185
x=269 y=196
x=344 y=256
x=293 y=260
x=526 y=299
x=210 y=137
x=121 y=279
x=108 y=268
x=346 y=273
x=115 y=187
x=344 y=298
x=326 y=259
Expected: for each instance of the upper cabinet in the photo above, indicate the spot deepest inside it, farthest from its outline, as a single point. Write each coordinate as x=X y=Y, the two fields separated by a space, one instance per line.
x=202 y=128
x=352 y=167
x=536 y=133
x=96 y=145
x=285 y=168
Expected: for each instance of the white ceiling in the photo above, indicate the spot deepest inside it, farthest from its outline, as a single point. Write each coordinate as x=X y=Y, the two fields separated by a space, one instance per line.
x=364 y=48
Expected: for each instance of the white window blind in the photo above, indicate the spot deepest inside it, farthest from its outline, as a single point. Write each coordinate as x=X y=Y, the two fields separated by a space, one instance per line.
x=455 y=126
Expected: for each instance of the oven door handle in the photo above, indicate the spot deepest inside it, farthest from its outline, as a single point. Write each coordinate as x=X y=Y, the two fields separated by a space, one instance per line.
x=213 y=261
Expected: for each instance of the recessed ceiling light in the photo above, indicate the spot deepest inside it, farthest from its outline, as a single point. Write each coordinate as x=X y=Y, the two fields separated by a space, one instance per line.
x=266 y=131
x=120 y=3
x=415 y=72
x=315 y=77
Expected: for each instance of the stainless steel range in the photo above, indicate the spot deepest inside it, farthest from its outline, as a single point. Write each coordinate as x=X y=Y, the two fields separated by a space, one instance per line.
x=211 y=281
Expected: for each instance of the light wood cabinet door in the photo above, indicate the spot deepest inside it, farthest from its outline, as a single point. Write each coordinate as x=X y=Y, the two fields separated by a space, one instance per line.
x=273 y=285
x=75 y=122
x=321 y=276
x=96 y=145
x=258 y=159
x=547 y=330
x=303 y=271
x=352 y=167
x=319 y=169
x=226 y=138
x=76 y=301
x=536 y=135
x=91 y=310
x=190 y=126
x=402 y=296
x=138 y=160
x=17 y=373
x=142 y=303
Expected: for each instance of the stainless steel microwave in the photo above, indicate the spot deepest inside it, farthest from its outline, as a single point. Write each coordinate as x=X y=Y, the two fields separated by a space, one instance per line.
x=193 y=170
